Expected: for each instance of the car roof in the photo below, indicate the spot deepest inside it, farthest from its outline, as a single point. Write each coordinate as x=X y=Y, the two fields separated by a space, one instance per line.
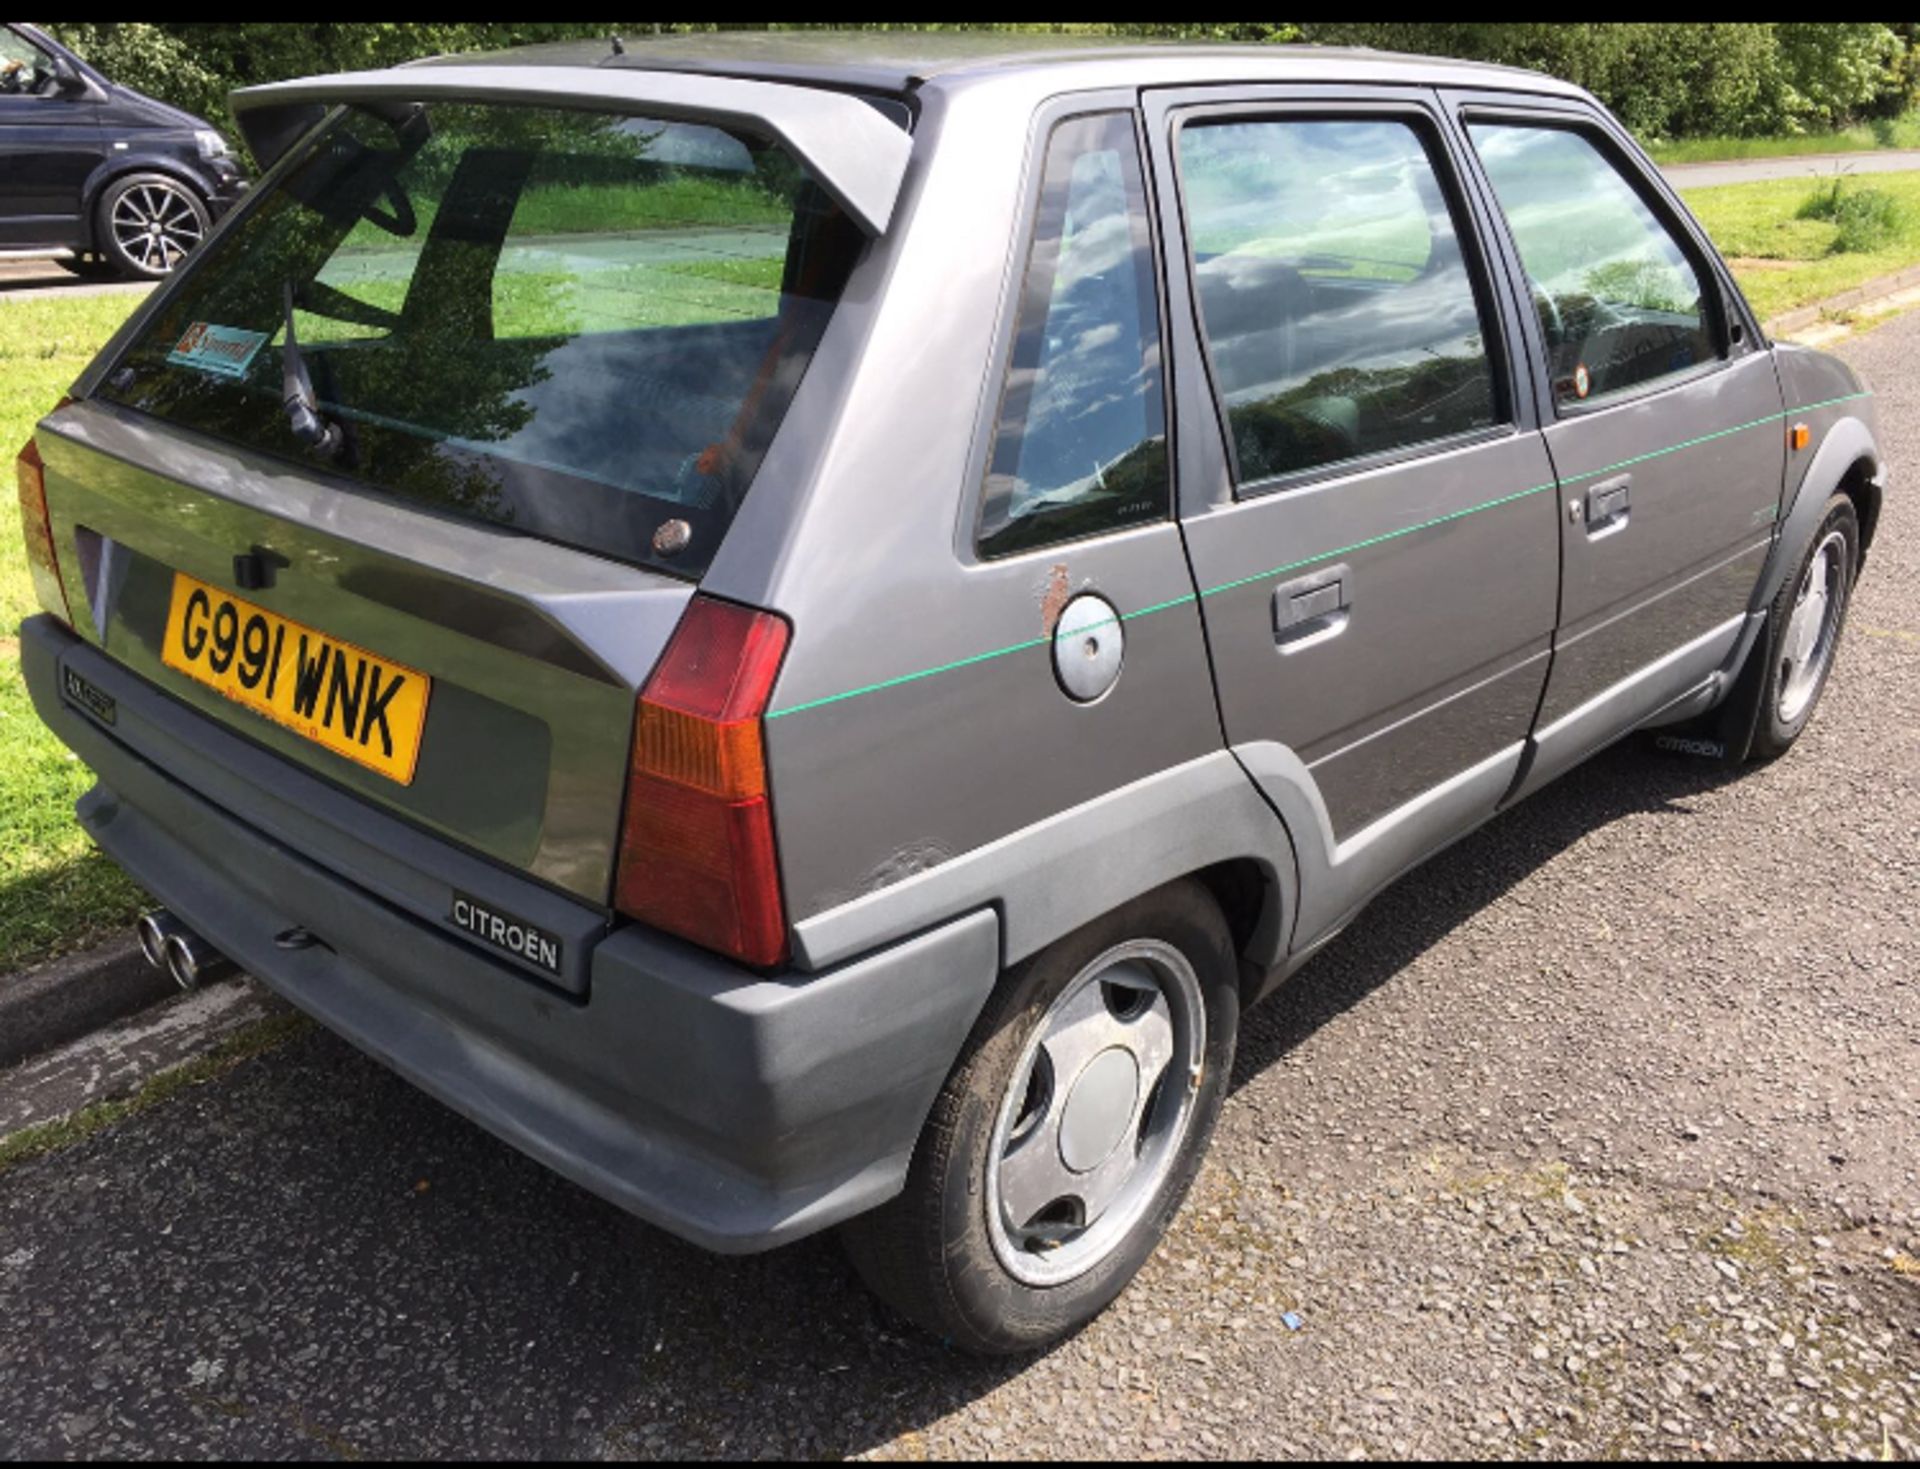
x=901 y=61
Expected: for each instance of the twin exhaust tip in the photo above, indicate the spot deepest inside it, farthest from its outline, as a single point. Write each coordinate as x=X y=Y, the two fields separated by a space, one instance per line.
x=167 y=943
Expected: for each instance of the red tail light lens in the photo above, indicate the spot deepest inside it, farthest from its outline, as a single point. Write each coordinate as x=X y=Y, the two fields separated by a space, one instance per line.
x=37 y=526
x=696 y=844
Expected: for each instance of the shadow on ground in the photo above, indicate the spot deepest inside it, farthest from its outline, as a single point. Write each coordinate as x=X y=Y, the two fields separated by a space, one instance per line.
x=1435 y=898
x=312 y=1257
x=22 y=279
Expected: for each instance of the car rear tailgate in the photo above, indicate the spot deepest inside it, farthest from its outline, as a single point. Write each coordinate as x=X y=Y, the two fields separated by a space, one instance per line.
x=535 y=650
x=407 y=868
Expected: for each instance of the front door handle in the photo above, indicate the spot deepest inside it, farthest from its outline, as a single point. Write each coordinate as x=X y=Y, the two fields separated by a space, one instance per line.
x=1310 y=609
x=1607 y=504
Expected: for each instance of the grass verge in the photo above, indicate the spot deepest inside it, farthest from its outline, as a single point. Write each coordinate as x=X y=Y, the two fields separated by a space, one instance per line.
x=64 y=1132
x=1891 y=132
x=57 y=891
x=1783 y=251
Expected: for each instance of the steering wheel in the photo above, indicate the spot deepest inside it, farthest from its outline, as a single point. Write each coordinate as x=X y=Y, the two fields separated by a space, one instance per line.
x=402 y=221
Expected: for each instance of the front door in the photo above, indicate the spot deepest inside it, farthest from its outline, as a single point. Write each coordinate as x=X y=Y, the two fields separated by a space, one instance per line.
x=1377 y=553
x=1666 y=431
x=50 y=144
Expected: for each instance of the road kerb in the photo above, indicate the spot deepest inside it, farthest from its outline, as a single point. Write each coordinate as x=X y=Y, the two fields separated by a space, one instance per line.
x=1864 y=294
x=59 y=1001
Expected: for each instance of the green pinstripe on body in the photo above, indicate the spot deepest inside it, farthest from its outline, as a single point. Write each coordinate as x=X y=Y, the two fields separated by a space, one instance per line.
x=1314 y=560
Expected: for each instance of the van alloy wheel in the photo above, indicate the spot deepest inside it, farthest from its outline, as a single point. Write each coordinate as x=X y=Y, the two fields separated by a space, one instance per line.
x=155 y=222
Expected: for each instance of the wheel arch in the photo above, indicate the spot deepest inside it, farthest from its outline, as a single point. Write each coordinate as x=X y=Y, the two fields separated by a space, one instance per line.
x=1204 y=819
x=1849 y=462
x=1861 y=484
x=113 y=169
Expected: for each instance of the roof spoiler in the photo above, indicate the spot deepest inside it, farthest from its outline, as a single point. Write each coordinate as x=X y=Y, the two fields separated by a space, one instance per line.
x=857 y=155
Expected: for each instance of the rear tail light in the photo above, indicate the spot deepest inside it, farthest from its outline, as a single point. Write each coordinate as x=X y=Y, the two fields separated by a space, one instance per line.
x=696 y=845
x=37 y=526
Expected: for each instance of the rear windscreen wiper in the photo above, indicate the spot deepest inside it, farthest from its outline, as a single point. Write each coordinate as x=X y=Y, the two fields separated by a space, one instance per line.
x=312 y=428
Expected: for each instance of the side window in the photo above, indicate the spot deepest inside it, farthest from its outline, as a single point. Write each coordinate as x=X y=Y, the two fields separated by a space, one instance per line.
x=1080 y=447
x=1620 y=302
x=1340 y=313
x=25 y=70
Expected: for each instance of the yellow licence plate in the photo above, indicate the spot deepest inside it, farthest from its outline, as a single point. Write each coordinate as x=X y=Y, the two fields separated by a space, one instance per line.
x=343 y=697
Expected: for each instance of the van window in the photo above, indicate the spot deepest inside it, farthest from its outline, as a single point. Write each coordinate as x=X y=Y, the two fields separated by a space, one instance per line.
x=25 y=70
x=1620 y=303
x=579 y=325
x=1080 y=446
x=1341 y=316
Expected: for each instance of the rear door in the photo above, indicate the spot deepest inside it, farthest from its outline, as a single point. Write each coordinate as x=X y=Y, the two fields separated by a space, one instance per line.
x=1375 y=538
x=1665 y=418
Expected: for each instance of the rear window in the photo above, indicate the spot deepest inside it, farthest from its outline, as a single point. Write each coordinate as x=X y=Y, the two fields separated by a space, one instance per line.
x=582 y=326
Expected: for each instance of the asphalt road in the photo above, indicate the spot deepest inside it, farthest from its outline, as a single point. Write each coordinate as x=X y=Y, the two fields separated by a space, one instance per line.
x=1597 y=1135
x=1807 y=165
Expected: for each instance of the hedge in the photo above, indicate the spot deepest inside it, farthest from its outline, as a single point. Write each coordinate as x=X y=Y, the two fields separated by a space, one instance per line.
x=1664 y=78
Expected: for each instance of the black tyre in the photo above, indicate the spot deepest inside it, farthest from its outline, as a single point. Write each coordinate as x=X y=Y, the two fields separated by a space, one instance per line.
x=146 y=223
x=1803 y=630
x=1064 y=1141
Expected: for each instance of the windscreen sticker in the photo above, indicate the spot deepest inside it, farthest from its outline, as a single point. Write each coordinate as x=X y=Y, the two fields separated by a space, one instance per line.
x=224 y=351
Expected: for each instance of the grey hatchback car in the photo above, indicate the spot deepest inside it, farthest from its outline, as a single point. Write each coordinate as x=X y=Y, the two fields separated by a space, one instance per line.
x=797 y=625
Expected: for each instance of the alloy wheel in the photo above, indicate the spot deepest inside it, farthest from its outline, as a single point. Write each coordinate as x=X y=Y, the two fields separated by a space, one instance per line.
x=156 y=224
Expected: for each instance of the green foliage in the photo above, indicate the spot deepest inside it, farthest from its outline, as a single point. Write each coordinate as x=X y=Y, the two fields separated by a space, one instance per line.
x=1868 y=219
x=1826 y=71
x=1676 y=79
x=1875 y=132
x=194 y=64
x=1784 y=258
x=56 y=890
x=1863 y=219
x=1665 y=79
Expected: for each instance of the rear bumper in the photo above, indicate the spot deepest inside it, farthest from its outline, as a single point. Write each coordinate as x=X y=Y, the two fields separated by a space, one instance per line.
x=736 y=1110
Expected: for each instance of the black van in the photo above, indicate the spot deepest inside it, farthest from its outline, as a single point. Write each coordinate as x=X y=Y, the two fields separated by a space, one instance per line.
x=106 y=179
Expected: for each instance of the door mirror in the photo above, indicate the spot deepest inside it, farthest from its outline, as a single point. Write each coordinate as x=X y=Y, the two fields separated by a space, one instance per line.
x=67 y=81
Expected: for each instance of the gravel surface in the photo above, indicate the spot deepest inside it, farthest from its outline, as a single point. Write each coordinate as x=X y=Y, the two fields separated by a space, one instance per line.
x=1595 y=1136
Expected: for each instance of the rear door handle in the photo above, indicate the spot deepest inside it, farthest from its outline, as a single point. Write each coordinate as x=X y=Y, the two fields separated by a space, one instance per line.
x=1310 y=609
x=1608 y=503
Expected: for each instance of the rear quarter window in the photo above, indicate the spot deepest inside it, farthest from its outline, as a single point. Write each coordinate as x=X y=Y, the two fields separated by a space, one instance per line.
x=1080 y=444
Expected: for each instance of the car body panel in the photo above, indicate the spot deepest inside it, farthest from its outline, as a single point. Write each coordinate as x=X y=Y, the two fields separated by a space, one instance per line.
x=49 y=150
x=536 y=650
x=938 y=670
x=1679 y=559
x=1432 y=666
x=738 y=1110
x=857 y=154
